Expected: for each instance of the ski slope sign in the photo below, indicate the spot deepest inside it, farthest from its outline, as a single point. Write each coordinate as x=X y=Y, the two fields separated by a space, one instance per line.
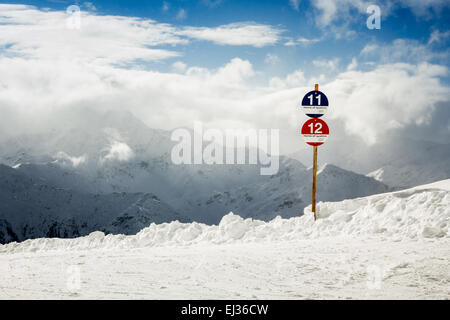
x=315 y=131
x=314 y=104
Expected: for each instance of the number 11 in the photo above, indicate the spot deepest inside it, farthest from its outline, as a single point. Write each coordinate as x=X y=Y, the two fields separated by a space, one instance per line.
x=310 y=97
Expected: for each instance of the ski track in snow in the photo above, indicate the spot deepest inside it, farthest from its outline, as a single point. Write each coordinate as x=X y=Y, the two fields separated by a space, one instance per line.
x=387 y=246
x=329 y=268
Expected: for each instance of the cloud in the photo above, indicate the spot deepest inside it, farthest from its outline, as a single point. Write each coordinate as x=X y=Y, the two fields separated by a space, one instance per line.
x=424 y=9
x=292 y=80
x=353 y=65
x=64 y=158
x=212 y=3
x=338 y=16
x=404 y=50
x=330 y=11
x=181 y=15
x=38 y=85
x=165 y=6
x=330 y=65
x=90 y=6
x=119 y=151
x=233 y=74
x=437 y=36
x=179 y=66
x=389 y=97
x=368 y=103
x=302 y=41
x=26 y=31
x=271 y=59
x=257 y=35
x=295 y=4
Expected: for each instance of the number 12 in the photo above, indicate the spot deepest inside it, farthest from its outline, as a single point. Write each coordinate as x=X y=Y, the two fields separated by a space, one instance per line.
x=318 y=127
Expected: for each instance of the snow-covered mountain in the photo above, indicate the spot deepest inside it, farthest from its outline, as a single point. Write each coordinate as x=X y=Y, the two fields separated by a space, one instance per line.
x=287 y=193
x=398 y=161
x=30 y=208
x=84 y=176
x=47 y=200
x=417 y=163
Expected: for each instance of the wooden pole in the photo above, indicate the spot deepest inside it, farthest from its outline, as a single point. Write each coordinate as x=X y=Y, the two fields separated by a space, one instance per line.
x=314 y=185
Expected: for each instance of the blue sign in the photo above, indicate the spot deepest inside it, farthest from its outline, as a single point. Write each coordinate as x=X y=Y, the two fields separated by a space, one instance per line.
x=315 y=104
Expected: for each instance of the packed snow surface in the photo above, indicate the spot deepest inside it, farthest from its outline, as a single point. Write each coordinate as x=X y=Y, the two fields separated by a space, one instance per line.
x=393 y=245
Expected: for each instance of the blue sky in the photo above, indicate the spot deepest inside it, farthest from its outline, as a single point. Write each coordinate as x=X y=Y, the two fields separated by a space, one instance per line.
x=230 y=63
x=400 y=21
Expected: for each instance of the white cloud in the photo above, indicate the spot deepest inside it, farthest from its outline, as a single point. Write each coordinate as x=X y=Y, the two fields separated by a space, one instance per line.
x=181 y=15
x=64 y=158
x=179 y=66
x=37 y=84
x=353 y=65
x=437 y=36
x=119 y=151
x=295 y=4
x=233 y=74
x=294 y=79
x=330 y=65
x=28 y=32
x=271 y=59
x=402 y=50
x=257 y=35
x=302 y=41
x=368 y=103
x=424 y=8
x=90 y=6
x=307 y=41
x=165 y=6
x=388 y=97
x=336 y=16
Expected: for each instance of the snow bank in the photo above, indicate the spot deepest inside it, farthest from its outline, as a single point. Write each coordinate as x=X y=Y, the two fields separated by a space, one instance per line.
x=439 y=185
x=421 y=212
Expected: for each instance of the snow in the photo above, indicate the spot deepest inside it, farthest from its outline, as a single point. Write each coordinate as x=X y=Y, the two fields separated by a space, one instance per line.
x=392 y=245
x=442 y=185
x=327 y=268
x=420 y=212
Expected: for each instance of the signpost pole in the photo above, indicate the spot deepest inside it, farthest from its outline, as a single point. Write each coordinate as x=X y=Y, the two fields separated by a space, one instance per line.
x=314 y=182
x=315 y=131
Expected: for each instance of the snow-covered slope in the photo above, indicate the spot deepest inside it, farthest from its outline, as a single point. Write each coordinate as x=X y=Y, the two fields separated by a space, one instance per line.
x=416 y=213
x=387 y=246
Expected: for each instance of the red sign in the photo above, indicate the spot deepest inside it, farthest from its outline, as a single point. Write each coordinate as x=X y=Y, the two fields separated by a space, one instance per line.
x=315 y=131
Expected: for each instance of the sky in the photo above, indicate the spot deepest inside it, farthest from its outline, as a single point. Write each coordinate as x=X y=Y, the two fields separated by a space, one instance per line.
x=230 y=64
